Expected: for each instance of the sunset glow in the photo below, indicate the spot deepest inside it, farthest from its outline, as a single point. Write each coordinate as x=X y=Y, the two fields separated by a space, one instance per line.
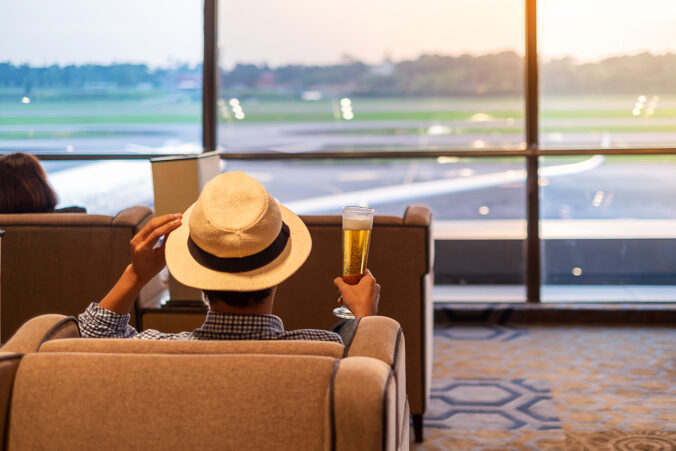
x=279 y=32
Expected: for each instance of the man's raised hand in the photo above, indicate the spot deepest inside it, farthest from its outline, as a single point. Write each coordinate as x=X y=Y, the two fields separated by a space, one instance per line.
x=147 y=259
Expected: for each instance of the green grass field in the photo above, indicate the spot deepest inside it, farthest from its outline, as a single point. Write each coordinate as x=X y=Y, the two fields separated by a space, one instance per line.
x=469 y=115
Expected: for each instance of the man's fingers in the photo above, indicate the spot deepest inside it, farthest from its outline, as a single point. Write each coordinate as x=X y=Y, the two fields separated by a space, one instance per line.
x=156 y=234
x=154 y=224
x=339 y=282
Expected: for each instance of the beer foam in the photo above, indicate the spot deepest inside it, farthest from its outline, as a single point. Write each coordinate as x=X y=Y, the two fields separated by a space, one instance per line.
x=357 y=223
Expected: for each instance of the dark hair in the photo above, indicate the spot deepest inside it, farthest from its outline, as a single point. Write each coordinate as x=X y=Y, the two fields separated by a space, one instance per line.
x=240 y=299
x=23 y=185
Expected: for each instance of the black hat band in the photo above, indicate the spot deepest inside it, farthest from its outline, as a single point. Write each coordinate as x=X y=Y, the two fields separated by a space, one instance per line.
x=241 y=264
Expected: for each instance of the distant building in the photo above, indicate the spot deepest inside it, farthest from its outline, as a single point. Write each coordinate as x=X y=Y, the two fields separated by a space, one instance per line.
x=384 y=69
x=189 y=82
x=266 y=80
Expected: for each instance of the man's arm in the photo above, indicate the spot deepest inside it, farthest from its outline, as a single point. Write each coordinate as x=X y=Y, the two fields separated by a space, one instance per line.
x=361 y=299
x=110 y=317
x=147 y=261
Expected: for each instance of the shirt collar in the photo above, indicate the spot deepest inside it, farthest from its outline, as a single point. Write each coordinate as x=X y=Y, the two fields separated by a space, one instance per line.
x=246 y=324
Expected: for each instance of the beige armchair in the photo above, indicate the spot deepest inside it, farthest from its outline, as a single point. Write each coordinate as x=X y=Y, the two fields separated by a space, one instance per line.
x=60 y=262
x=60 y=391
x=401 y=258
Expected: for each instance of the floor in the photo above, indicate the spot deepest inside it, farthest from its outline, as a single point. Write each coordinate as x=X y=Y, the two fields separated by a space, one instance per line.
x=503 y=383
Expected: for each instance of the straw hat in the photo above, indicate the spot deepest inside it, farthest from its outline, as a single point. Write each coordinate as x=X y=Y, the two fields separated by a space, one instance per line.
x=236 y=237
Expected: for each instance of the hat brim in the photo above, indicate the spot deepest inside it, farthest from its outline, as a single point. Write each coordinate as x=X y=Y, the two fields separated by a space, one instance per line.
x=185 y=269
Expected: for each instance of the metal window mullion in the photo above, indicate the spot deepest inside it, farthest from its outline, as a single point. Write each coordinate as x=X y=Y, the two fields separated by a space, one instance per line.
x=210 y=76
x=533 y=250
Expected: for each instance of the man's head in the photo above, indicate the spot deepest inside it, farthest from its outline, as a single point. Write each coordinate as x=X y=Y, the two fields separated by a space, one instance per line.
x=236 y=238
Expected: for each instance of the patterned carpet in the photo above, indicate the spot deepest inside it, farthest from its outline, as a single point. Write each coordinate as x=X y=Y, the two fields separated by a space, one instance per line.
x=501 y=385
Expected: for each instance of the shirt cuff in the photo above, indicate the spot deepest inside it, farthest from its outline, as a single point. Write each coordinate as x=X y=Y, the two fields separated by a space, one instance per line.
x=97 y=321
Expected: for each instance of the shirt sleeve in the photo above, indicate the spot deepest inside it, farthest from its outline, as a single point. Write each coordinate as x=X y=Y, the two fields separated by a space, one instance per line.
x=98 y=322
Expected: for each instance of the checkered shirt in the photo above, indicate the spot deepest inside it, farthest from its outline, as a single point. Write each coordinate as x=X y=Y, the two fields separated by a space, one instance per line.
x=98 y=322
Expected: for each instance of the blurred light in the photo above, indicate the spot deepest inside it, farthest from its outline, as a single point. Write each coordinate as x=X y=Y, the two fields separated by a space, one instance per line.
x=635 y=111
x=70 y=148
x=609 y=199
x=447 y=160
x=348 y=115
x=466 y=172
x=234 y=102
x=26 y=100
x=484 y=210
x=345 y=102
x=543 y=181
x=346 y=108
x=510 y=121
x=480 y=117
x=239 y=115
x=479 y=144
x=311 y=95
x=577 y=271
x=641 y=98
x=598 y=199
x=438 y=130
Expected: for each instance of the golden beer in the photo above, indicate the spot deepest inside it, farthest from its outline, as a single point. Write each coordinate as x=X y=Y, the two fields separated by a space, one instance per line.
x=355 y=254
x=357 y=225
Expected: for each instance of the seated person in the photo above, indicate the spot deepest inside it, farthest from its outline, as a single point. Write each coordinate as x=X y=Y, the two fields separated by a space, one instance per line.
x=235 y=243
x=24 y=187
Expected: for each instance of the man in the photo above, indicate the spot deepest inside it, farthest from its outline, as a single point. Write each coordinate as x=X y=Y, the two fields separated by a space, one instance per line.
x=236 y=243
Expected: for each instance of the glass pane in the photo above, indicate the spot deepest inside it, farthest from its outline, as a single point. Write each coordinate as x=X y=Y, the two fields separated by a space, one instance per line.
x=478 y=208
x=609 y=228
x=606 y=73
x=101 y=77
x=102 y=187
x=318 y=76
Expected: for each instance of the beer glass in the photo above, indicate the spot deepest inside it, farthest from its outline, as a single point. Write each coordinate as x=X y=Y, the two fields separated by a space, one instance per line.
x=357 y=225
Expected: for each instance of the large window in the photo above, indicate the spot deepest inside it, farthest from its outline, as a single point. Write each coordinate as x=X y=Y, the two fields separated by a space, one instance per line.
x=608 y=231
x=557 y=185
x=608 y=85
x=607 y=73
x=320 y=76
x=97 y=77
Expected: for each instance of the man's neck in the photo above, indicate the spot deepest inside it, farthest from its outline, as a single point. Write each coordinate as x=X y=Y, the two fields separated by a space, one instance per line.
x=264 y=308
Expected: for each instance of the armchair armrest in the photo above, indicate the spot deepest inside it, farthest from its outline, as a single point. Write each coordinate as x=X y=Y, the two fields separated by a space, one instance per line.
x=362 y=408
x=419 y=215
x=382 y=338
x=9 y=362
x=37 y=330
x=136 y=216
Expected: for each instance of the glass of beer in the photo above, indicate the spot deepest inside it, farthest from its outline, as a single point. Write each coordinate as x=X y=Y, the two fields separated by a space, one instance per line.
x=357 y=225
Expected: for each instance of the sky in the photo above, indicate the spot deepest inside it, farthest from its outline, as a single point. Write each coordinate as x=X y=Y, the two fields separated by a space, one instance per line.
x=278 y=32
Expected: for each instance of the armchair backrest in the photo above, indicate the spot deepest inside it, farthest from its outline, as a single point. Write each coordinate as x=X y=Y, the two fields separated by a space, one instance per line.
x=136 y=398
x=401 y=258
x=60 y=262
x=170 y=401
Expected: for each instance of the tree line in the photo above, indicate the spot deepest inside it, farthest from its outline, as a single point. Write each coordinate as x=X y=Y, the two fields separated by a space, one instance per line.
x=428 y=75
